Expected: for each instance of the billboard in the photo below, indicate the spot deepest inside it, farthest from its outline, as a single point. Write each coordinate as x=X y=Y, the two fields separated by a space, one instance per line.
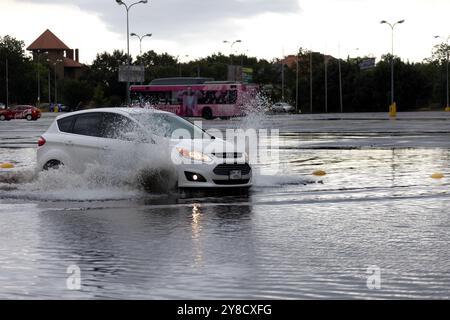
x=131 y=73
x=239 y=73
x=247 y=75
x=368 y=63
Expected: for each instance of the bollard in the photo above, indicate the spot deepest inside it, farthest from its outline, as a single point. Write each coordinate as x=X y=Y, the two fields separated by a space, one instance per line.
x=437 y=175
x=6 y=165
x=319 y=173
x=393 y=110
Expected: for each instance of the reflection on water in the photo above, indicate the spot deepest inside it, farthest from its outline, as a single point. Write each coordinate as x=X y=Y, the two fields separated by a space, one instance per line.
x=292 y=236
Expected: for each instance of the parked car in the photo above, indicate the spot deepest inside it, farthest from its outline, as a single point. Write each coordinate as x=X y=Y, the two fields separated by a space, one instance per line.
x=5 y=114
x=282 y=107
x=20 y=112
x=92 y=136
x=2 y=106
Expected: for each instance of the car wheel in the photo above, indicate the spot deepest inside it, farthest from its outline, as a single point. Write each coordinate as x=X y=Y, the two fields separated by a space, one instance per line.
x=53 y=164
x=2 y=117
x=29 y=117
x=207 y=113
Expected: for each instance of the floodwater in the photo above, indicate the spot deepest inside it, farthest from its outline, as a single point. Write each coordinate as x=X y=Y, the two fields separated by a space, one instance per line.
x=293 y=236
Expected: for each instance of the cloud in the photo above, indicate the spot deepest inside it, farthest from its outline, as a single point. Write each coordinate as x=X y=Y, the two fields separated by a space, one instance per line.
x=175 y=19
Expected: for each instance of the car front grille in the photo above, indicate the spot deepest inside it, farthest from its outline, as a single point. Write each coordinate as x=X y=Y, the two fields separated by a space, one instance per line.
x=228 y=155
x=231 y=182
x=224 y=169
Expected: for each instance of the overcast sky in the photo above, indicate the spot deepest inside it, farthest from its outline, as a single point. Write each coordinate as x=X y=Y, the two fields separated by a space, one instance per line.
x=267 y=28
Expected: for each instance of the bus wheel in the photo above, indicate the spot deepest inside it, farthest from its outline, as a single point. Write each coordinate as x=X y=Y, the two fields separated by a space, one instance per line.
x=207 y=113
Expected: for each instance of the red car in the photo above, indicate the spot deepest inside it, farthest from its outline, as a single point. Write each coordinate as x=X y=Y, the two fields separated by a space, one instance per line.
x=20 y=112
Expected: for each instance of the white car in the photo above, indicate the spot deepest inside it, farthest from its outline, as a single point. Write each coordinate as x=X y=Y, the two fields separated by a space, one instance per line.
x=282 y=107
x=123 y=137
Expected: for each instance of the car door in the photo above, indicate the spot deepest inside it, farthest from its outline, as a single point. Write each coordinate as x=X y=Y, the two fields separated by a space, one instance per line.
x=124 y=141
x=17 y=112
x=86 y=144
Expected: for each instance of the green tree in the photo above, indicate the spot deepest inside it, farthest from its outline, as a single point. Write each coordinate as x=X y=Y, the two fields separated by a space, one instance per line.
x=21 y=72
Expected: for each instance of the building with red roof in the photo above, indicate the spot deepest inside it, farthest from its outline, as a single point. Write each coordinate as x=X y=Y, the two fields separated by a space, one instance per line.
x=49 y=49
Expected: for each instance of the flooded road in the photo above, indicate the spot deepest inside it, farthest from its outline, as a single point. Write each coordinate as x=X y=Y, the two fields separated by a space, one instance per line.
x=293 y=236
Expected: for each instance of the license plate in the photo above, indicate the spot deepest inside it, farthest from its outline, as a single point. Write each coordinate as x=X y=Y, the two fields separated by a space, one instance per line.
x=235 y=175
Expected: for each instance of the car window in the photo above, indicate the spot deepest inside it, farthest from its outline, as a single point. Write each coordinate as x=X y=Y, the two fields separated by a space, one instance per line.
x=164 y=125
x=88 y=124
x=65 y=124
x=116 y=126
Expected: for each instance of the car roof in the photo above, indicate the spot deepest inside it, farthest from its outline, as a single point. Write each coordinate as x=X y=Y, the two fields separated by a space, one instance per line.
x=123 y=111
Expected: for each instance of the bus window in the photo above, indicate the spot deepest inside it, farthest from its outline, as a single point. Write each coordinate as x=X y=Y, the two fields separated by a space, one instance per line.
x=231 y=97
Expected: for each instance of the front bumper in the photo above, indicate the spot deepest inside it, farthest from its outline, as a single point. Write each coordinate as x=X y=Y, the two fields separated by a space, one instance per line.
x=213 y=180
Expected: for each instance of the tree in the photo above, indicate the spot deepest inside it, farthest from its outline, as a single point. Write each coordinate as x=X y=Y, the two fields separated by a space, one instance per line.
x=21 y=72
x=77 y=91
x=103 y=75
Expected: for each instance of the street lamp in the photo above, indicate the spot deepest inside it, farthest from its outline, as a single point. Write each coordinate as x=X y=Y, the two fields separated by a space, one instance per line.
x=39 y=76
x=393 y=107
x=128 y=7
x=297 y=82
x=7 y=83
x=140 y=39
x=179 y=64
x=231 y=48
x=56 y=84
x=447 y=107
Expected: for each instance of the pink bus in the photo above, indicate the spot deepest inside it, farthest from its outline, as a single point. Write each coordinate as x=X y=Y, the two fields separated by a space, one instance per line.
x=194 y=97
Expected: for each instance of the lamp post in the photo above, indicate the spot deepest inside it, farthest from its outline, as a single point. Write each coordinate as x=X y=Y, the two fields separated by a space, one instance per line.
x=39 y=76
x=326 y=81
x=231 y=48
x=447 y=107
x=393 y=107
x=56 y=83
x=311 y=81
x=340 y=81
x=179 y=64
x=128 y=7
x=7 y=84
x=296 y=82
x=140 y=39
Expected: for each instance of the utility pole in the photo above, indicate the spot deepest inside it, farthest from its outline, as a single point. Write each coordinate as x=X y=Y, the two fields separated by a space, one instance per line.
x=49 y=85
x=311 y=82
x=326 y=83
x=282 y=80
x=340 y=81
x=128 y=7
x=393 y=107
x=7 y=85
x=296 y=84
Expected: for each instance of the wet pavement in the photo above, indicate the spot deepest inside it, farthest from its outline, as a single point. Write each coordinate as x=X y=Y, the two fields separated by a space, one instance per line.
x=292 y=236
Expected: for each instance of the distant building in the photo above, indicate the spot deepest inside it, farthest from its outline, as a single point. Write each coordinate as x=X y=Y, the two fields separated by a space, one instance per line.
x=49 y=47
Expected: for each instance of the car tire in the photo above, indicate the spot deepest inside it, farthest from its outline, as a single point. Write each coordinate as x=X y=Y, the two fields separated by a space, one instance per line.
x=53 y=165
x=29 y=117
x=207 y=113
x=2 y=117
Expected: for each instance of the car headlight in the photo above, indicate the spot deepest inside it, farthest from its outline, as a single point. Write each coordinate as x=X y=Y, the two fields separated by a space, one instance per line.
x=193 y=155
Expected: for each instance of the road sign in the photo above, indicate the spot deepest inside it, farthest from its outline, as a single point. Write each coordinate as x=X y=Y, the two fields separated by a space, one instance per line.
x=368 y=63
x=131 y=73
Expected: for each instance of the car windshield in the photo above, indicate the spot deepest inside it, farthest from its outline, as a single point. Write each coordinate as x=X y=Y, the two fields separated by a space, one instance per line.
x=164 y=125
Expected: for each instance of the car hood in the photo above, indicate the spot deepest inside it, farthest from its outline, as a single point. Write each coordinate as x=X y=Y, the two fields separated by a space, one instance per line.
x=207 y=146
